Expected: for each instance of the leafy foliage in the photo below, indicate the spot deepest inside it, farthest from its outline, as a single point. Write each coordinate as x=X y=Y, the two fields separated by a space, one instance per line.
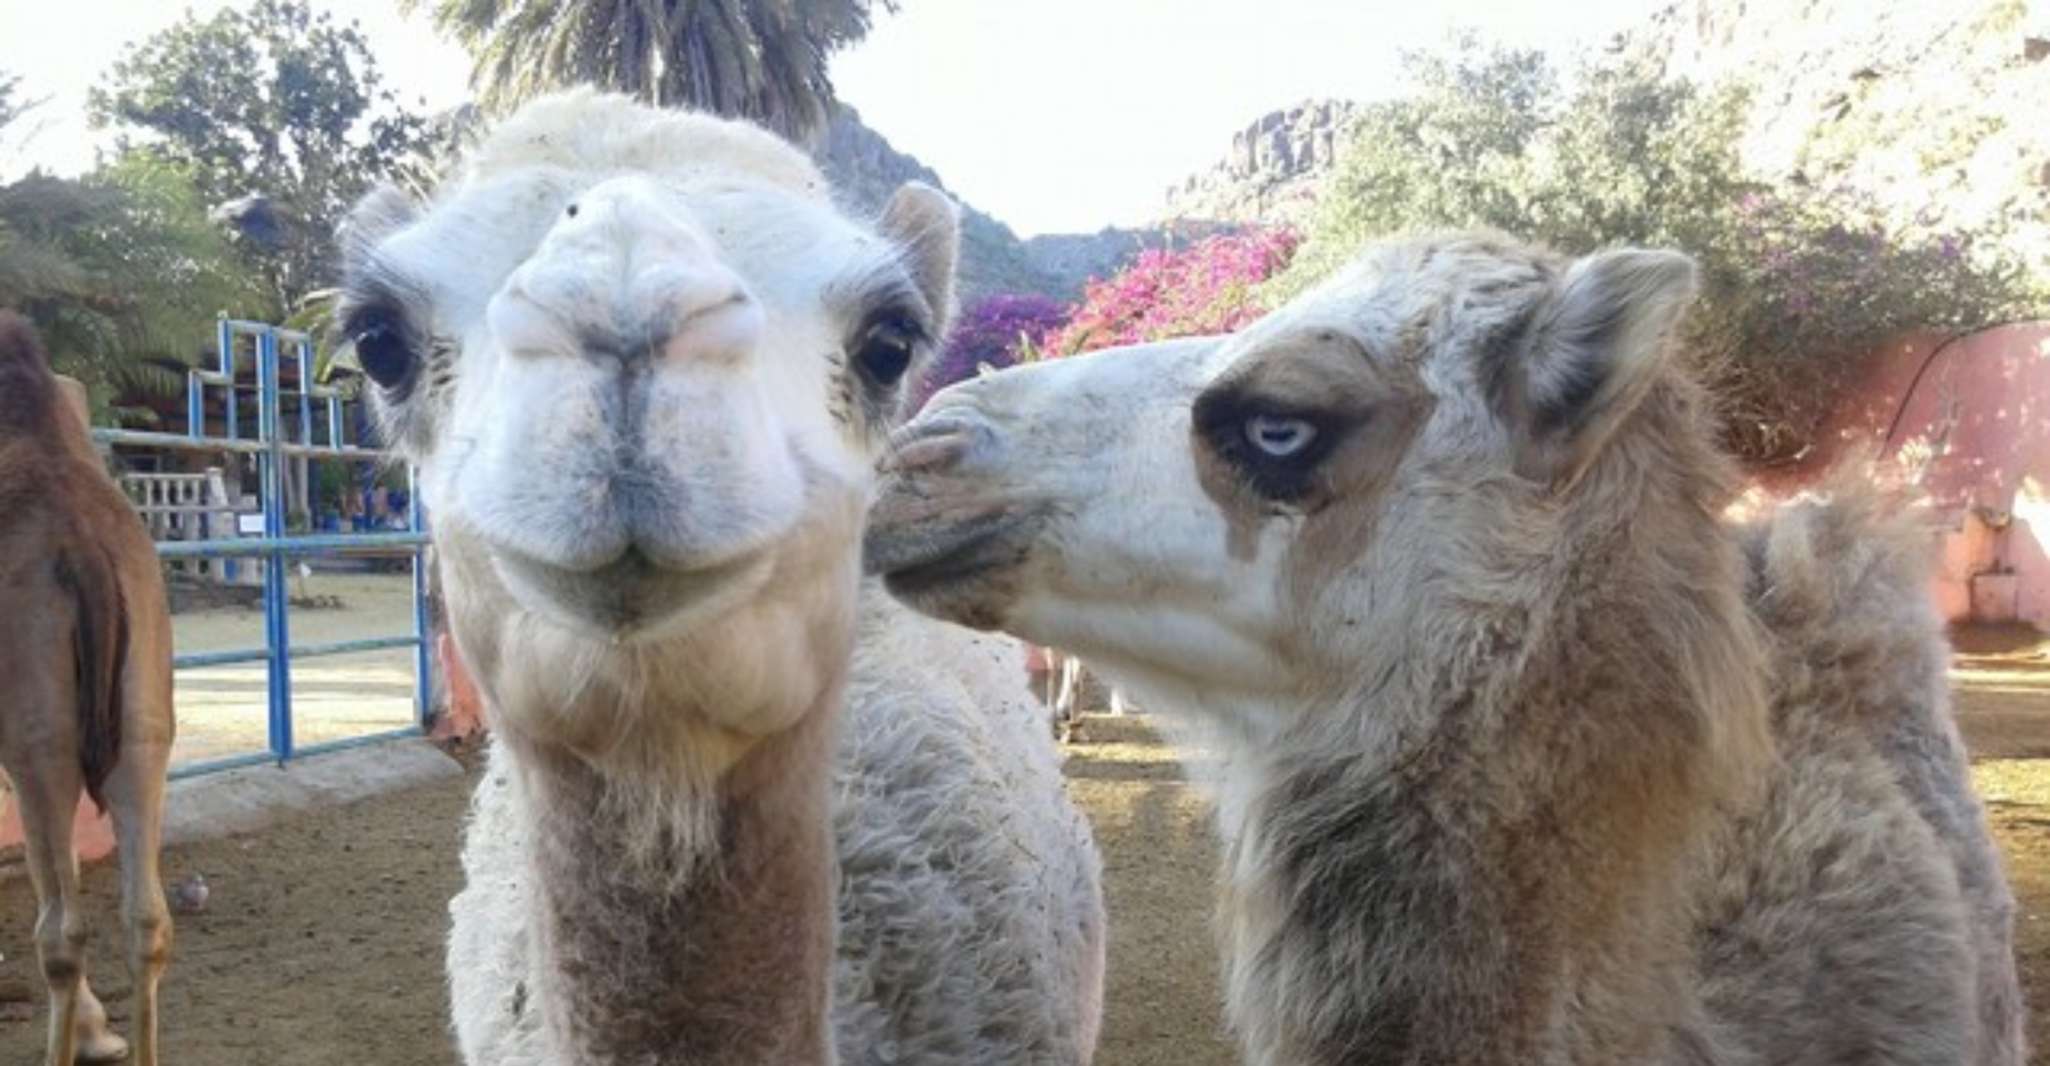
x=760 y=59
x=272 y=100
x=1212 y=286
x=121 y=271
x=1797 y=280
x=1206 y=288
x=12 y=106
x=992 y=333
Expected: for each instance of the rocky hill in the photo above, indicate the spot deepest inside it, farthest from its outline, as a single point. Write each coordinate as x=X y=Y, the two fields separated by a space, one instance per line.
x=865 y=169
x=1273 y=170
x=1269 y=176
x=1073 y=258
x=1935 y=109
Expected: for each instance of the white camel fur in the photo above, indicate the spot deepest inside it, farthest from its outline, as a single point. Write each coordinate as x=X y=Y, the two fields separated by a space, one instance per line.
x=1528 y=756
x=647 y=368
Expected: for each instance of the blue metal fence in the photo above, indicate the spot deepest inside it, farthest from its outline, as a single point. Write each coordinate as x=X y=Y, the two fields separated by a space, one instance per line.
x=273 y=445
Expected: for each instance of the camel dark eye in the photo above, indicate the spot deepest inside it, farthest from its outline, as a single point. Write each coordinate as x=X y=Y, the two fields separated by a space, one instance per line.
x=886 y=348
x=383 y=351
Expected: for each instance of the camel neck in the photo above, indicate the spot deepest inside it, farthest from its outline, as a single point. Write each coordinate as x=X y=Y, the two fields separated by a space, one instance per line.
x=1504 y=890
x=724 y=956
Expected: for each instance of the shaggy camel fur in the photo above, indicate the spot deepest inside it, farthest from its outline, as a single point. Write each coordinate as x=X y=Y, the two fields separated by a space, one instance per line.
x=647 y=370
x=1522 y=761
x=85 y=648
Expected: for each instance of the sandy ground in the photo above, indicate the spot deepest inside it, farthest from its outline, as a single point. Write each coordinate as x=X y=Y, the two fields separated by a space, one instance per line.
x=321 y=945
x=222 y=710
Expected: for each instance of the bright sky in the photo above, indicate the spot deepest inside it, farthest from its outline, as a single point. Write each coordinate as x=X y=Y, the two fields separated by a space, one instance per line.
x=1052 y=115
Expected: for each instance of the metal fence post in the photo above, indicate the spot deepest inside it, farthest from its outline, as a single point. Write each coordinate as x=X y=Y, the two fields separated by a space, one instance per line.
x=195 y=405
x=423 y=625
x=274 y=450
x=228 y=372
x=305 y=395
x=271 y=475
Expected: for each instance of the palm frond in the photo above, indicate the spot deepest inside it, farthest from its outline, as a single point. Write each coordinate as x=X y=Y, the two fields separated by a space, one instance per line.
x=764 y=60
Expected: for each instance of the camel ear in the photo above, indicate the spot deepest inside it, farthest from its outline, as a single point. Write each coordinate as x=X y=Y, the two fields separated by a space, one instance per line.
x=381 y=212
x=1595 y=346
x=925 y=223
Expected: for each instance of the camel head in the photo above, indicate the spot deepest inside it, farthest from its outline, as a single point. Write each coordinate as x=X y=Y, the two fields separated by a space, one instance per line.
x=646 y=368
x=1270 y=517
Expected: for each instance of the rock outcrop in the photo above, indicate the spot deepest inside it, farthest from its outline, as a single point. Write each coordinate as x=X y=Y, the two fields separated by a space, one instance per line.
x=1274 y=168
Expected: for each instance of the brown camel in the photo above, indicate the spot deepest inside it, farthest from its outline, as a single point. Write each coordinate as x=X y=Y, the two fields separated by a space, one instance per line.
x=85 y=646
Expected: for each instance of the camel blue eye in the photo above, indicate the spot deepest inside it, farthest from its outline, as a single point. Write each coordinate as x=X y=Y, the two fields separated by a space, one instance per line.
x=1277 y=437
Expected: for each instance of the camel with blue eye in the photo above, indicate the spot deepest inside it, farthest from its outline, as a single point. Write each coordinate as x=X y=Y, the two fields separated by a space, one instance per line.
x=1521 y=752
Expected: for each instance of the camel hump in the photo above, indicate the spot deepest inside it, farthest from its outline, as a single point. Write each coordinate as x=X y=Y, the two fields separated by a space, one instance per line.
x=1836 y=556
x=28 y=390
x=100 y=657
x=1841 y=577
x=19 y=345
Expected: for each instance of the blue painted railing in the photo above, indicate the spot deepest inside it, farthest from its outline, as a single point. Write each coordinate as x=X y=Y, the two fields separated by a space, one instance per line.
x=273 y=444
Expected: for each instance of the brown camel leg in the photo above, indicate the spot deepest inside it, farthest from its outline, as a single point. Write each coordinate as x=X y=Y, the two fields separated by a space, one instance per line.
x=47 y=787
x=135 y=797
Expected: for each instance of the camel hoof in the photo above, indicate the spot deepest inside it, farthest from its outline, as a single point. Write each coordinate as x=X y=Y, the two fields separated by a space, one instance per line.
x=104 y=1047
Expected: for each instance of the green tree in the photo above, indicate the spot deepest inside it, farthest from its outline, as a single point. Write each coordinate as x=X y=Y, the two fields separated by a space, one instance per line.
x=272 y=100
x=1796 y=281
x=759 y=59
x=121 y=271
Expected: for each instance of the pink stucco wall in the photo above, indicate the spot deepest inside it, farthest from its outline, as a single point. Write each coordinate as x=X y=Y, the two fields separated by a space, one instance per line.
x=1971 y=417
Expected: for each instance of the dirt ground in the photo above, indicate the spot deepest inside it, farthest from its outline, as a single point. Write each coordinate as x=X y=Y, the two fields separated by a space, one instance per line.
x=321 y=945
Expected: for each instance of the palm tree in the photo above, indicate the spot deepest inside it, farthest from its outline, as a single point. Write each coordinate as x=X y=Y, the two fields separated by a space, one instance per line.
x=759 y=59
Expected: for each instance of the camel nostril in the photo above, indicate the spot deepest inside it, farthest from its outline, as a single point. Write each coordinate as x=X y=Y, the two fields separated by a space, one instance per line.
x=721 y=327
x=934 y=445
x=927 y=454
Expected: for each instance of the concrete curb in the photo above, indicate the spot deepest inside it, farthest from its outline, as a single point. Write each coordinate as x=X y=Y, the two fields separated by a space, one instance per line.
x=256 y=797
x=252 y=798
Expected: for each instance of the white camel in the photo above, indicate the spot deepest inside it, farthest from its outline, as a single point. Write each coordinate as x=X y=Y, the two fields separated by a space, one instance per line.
x=647 y=369
x=1527 y=756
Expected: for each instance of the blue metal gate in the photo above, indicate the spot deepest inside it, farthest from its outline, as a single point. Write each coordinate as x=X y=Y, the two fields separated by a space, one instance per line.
x=275 y=443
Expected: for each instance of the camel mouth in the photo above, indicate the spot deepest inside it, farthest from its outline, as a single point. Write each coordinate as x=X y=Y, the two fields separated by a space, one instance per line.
x=960 y=562
x=630 y=596
x=943 y=568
